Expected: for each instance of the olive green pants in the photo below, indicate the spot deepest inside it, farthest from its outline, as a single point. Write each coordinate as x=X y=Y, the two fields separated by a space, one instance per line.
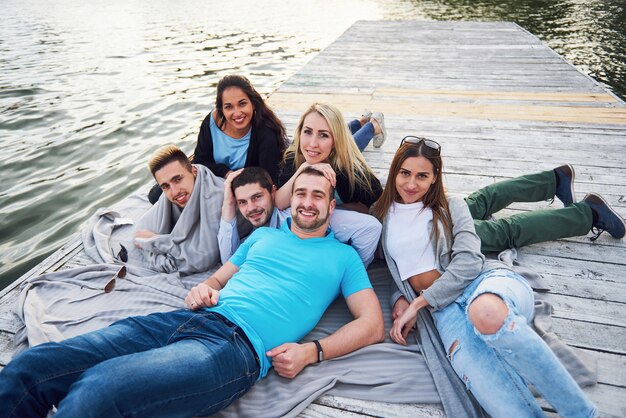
x=529 y=227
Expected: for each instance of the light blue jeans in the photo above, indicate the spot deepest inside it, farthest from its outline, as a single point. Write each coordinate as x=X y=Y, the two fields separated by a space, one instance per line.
x=497 y=367
x=362 y=134
x=180 y=363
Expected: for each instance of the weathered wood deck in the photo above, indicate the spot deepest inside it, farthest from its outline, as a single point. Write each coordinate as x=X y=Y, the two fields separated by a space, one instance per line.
x=502 y=104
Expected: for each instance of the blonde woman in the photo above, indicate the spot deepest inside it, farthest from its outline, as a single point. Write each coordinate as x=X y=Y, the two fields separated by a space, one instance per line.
x=322 y=140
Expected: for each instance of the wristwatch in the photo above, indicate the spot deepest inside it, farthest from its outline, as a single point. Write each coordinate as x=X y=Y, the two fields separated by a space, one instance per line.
x=320 y=351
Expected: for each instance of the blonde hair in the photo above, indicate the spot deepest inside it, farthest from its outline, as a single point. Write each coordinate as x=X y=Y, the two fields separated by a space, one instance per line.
x=345 y=156
x=165 y=155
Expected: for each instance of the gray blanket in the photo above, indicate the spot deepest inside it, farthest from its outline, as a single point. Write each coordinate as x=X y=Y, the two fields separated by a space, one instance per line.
x=186 y=240
x=66 y=303
x=159 y=274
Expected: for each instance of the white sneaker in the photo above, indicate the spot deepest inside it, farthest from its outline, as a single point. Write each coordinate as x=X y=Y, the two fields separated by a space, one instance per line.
x=379 y=139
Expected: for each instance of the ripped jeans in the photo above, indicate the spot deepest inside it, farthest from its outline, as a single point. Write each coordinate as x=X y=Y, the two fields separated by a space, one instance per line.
x=496 y=368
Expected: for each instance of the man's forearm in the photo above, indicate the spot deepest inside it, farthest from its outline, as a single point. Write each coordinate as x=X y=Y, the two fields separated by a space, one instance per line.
x=215 y=283
x=352 y=336
x=227 y=239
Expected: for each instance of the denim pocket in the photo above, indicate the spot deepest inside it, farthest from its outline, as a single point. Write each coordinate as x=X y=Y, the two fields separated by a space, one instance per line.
x=248 y=354
x=192 y=324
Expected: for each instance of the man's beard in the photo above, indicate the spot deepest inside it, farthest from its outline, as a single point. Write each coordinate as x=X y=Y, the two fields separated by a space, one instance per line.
x=263 y=220
x=308 y=225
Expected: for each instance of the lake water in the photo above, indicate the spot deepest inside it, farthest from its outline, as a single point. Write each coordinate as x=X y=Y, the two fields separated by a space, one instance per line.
x=88 y=91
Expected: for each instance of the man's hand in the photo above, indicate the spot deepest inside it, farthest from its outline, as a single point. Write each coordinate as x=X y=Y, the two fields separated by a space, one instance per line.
x=399 y=307
x=144 y=233
x=229 y=206
x=290 y=358
x=403 y=325
x=202 y=296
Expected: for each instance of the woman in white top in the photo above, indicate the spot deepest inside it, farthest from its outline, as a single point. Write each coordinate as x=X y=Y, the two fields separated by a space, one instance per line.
x=481 y=309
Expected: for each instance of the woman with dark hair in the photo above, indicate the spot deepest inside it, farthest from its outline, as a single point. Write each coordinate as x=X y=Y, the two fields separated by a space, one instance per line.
x=481 y=309
x=241 y=131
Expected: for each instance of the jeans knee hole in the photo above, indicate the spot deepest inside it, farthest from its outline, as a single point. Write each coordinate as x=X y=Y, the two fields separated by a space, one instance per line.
x=452 y=350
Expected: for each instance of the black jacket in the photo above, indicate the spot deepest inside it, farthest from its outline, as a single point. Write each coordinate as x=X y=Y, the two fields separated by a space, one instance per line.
x=343 y=185
x=264 y=150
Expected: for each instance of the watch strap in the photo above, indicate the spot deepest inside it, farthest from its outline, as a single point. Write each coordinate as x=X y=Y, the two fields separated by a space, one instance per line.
x=320 y=351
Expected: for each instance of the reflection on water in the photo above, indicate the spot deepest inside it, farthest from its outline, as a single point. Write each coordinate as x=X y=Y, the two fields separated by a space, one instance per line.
x=87 y=91
x=590 y=34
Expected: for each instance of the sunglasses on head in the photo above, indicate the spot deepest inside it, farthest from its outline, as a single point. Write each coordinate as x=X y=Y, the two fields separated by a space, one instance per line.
x=418 y=140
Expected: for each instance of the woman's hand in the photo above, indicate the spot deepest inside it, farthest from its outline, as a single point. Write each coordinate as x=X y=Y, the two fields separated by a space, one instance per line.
x=326 y=170
x=402 y=326
x=282 y=200
x=399 y=307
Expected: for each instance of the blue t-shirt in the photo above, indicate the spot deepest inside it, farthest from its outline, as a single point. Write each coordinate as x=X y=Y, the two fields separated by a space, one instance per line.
x=227 y=150
x=285 y=284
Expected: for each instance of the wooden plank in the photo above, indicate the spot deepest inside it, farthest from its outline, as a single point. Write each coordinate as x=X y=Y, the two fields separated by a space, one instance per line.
x=502 y=95
x=502 y=111
x=8 y=318
x=611 y=368
x=379 y=409
x=591 y=336
x=6 y=348
x=322 y=411
x=611 y=401
x=52 y=263
x=588 y=310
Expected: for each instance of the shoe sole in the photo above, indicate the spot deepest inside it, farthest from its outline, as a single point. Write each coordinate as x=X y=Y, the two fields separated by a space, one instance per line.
x=571 y=186
x=571 y=189
x=383 y=133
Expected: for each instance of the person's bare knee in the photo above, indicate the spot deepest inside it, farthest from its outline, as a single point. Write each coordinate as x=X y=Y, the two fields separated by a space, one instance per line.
x=487 y=312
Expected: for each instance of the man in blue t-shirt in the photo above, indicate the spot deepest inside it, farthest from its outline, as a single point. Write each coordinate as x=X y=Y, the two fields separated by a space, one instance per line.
x=242 y=320
x=252 y=191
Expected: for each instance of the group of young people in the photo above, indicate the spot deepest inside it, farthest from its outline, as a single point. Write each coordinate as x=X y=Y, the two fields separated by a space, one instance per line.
x=276 y=282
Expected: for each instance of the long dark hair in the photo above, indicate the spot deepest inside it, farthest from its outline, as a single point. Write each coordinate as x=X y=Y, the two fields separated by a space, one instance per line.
x=263 y=115
x=435 y=197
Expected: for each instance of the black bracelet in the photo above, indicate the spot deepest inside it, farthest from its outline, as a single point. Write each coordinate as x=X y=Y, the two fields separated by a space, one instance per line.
x=320 y=351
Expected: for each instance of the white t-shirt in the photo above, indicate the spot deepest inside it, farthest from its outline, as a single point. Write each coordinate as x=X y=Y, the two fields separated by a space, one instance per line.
x=408 y=240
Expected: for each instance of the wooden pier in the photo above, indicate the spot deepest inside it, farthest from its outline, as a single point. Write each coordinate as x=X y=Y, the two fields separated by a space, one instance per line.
x=501 y=104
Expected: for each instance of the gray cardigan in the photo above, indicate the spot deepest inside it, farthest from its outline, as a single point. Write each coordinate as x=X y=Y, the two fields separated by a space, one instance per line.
x=458 y=265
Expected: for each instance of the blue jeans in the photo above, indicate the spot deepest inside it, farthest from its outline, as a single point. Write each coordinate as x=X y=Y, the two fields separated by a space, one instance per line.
x=497 y=367
x=362 y=134
x=180 y=363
